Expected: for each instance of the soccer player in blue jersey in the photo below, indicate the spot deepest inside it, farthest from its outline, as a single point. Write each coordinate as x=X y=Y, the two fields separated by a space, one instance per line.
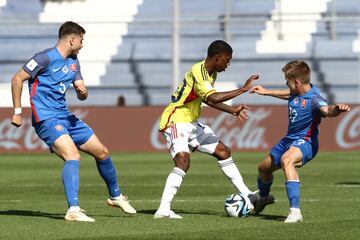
x=307 y=107
x=50 y=73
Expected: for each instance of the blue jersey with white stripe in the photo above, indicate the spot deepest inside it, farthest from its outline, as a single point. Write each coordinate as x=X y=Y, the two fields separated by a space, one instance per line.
x=304 y=115
x=51 y=75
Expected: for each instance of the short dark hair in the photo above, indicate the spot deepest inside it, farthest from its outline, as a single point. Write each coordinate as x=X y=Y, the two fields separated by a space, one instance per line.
x=70 y=27
x=297 y=69
x=219 y=46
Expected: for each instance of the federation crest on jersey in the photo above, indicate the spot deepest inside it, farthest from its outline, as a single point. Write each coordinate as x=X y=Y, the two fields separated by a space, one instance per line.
x=65 y=69
x=296 y=100
x=59 y=127
x=73 y=67
x=303 y=103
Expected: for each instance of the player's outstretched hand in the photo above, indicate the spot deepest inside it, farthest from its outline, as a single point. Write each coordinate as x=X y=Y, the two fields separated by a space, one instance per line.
x=249 y=82
x=17 y=120
x=241 y=112
x=342 y=107
x=259 y=90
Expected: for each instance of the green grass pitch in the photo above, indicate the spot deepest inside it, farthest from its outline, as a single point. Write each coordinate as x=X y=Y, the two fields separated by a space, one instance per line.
x=32 y=201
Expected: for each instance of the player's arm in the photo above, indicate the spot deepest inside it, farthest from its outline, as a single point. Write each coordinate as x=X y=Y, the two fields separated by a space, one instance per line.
x=219 y=97
x=239 y=111
x=17 y=83
x=282 y=93
x=334 y=110
x=80 y=89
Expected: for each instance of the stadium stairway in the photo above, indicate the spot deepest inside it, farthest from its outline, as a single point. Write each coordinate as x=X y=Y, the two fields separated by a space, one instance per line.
x=105 y=23
x=290 y=27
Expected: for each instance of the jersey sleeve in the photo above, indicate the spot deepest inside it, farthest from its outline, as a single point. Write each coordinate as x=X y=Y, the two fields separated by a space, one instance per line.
x=37 y=64
x=202 y=86
x=318 y=101
x=78 y=75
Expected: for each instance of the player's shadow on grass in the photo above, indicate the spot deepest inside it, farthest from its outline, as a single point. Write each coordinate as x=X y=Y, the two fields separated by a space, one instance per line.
x=199 y=212
x=213 y=213
x=348 y=183
x=28 y=213
x=180 y=211
x=270 y=217
x=148 y=211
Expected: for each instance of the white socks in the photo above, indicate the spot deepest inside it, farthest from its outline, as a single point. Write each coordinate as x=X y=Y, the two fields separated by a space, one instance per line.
x=74 y=209
x=231 y=171
x=295 y=210
x=176 y=176
x=172 y=185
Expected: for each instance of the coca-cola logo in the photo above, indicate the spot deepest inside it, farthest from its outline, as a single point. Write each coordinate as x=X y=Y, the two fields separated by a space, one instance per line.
x=18 y=138
x=248 y=135
x=24 y=137
x=348 y=131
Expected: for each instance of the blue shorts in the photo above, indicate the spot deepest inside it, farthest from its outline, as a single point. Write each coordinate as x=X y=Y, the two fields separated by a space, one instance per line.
x=309 y=149
x=51 y=129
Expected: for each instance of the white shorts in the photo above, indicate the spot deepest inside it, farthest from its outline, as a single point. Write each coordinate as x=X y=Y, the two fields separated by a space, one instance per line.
x=183 y=137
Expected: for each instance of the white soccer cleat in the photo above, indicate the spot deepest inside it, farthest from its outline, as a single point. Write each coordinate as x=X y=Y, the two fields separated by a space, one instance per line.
x=294 y=216
x=77 y=214
x=169 y=214
x=121 y=202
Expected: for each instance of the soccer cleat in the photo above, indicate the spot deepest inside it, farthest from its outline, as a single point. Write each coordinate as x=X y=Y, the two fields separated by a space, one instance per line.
x=260 y=202
x=169 y=214
x=77 y=214
x=253 y=198
x=122 y=203
x=294 y=216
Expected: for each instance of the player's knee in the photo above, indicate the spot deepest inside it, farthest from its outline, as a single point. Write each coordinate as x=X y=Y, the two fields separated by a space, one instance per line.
x=182 y=161
x=226 y=152
x=71 y=156
x=264 y=170
x=286 y=162
x=104 y=153
x=222 y=152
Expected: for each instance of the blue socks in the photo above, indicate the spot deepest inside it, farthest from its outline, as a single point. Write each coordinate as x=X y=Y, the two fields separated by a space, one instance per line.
x=293 y=193
x=108 y=173
x=264 y=187
x=70 y=176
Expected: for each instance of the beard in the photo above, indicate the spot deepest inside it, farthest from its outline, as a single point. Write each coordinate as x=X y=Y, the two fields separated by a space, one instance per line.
x=73 y=54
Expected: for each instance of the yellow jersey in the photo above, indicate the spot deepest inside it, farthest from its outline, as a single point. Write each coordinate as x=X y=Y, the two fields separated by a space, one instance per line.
x=185 y=105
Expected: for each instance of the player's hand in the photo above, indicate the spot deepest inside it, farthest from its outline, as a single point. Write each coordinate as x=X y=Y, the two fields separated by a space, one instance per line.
x=241 y=112
x=81 y=92
x=17 y=120
x=249 y=82
x=342 y=107
x=259 y=90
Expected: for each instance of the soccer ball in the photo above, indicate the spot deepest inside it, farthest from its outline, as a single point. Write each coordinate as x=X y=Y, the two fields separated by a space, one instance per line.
x=238 y=205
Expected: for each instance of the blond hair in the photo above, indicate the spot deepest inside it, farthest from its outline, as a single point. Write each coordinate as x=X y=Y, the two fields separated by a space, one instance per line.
x=297 y=70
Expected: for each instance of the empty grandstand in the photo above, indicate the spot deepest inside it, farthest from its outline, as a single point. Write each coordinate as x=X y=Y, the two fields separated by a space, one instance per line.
x=128 y=49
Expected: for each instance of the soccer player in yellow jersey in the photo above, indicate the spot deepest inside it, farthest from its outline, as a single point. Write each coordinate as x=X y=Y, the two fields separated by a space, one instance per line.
x=182 y=131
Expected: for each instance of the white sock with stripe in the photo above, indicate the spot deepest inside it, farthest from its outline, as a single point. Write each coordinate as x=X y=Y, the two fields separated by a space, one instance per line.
x=231 y=171
x=172 y=185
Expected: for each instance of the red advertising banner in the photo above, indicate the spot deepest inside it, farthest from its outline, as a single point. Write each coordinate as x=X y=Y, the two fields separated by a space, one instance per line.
x=130 y=129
